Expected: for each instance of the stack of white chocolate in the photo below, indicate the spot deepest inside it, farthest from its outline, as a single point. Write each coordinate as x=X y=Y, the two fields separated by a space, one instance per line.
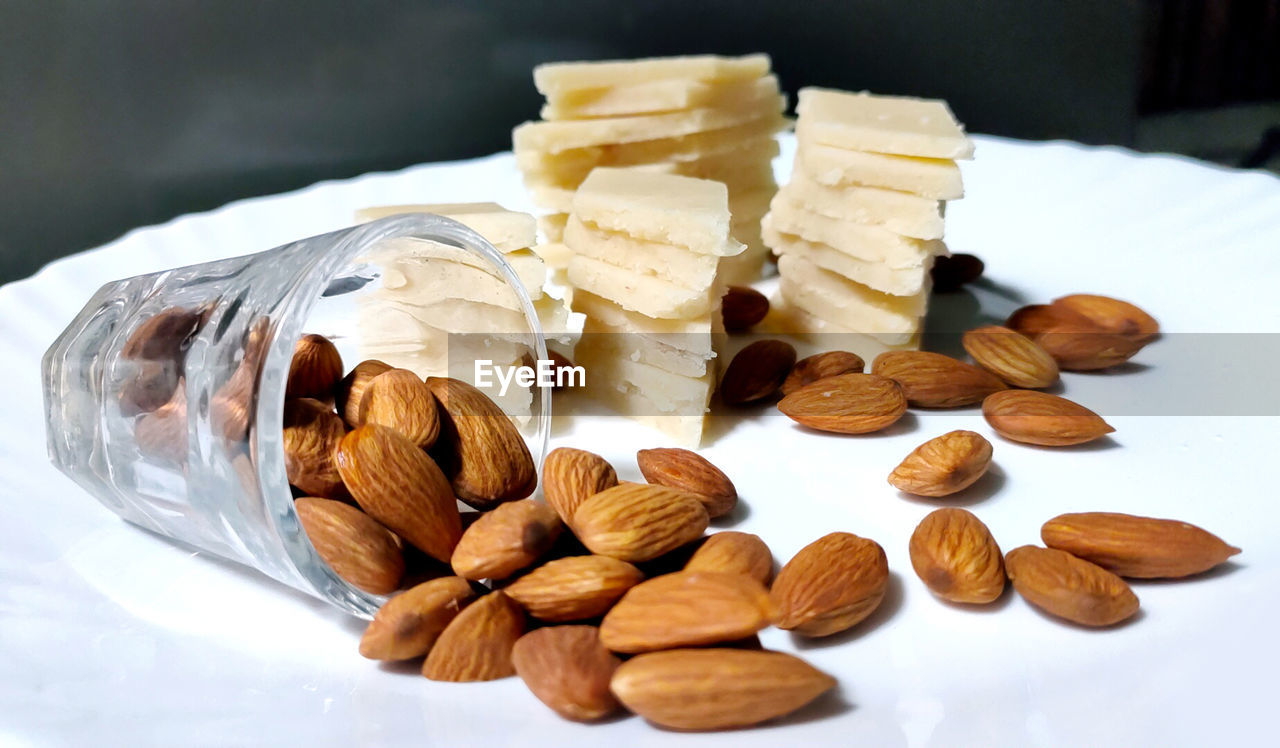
x=707 y=117
x=438 y=309
x=647 y=249
x=859 y=225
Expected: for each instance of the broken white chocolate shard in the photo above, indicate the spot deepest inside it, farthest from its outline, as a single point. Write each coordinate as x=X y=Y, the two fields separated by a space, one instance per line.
x=652 y=97
x=644 y=294
x=876 y=276
x=553 y=79
x=865 y=242
x=852 y=306
x=928 y=177
x=816 y=335
x=609 y=342
x=507 y=230
x=900 y=125
x=683 y=211
x=421 y=269
x=672 y=264
x=899 y=212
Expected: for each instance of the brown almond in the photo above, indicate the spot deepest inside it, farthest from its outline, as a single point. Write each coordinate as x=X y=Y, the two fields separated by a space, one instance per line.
x=574 y=588
x=932 y=380
x=1038 y=318
x=949 y=273
x=831 y=584
x=743 y=307
x=1112 y=315
x=162 y=433
x=943 y=465
x=1069 y=587
x=686 y=609
x=690 y=472
x=558 y=361
x=1012 y=356
x=229 y=408
x=506 y=540
x=1043 y=419
x=757 y=371
x=1137 y=547
x=487 y=460
x=570 y=476
x=477 y=643
x=716 y=689
x=569 y=670
x=820 y=366
x=639 y=522
x=956 y=557
x=846 y=404
x=399 y=400
x=316 y=368
x=164 y=336
x=407 y=625
x=349 y=394
x=150 y=386
x=357 y=548
x=732 y=552
x=400 y=486
x=312 y=433
x=1074 y=341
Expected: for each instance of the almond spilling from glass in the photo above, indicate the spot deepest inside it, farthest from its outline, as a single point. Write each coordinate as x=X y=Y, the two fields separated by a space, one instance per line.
x=356 y=547
x=479 y=448
x=408 y=624
x=509 y=538
x=574 y=588
x=1137 y=547
x=315 y=369
x=569 y=670
x=401 y=401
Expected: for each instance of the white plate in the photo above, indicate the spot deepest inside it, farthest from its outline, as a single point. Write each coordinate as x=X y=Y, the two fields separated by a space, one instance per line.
x=108 y=634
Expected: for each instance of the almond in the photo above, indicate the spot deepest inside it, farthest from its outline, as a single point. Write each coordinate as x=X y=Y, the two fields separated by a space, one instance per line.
x=932 y=380
x=733 y=552
x=1038 y=318
x=164 y=336
x=756 y=372
x=1112 y=315
x=570 y=476
x=506 y=540
x=574 y=588
x=162 y=433
x=1043 y=419
x=943 y=465
x=229 y=408
x=1013 y=357
x=312 y=433
x=401 y=401
x=846 y=404
x=487 y=460
x=949 y=273
x=409 y=623
x=743 y=307
x=1074 y=341
x=349 y=393
x=1137 y=547
x=357 y=548
x=820 y=366
x=1070 y=587
x=638 y=522
x=477 y=643
x=831 y=584
x=684 y=609
x=150 y=386
x=558 y=361
x=954 y=554
x=400 y=486
x=315 y=369
x=569 y=670
x=716 y=689
x=690 y=472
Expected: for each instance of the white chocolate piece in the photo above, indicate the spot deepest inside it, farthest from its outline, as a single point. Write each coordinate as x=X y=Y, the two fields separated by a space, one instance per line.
x=927 y=177
x=900 y=125
x=507 y=230
x=899 y=212
x=686 y=212
x=874 y=275
x=851 y=306
x=653 y=97
x=672 y=264
x=644 y=294
x=867 y=243
x=552 y=79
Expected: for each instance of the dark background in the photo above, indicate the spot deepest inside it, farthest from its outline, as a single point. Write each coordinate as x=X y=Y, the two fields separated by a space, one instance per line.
x=120 y=113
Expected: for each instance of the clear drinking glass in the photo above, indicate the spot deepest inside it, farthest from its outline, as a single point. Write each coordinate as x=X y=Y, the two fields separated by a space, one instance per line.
x=164 y=397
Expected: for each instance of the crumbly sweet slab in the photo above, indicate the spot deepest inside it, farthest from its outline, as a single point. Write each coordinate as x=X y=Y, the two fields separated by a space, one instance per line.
x=899 y=212
x=411 y=267
x=876 y=276
x=816 y=335
x=683 y=211
x=675 y=404
x=687 y=334
x=552 y=79
x=900 y=125
x=938 y=179
x=865 y=242
x=507 y=230
x=644 y=294
x=652 y=97
x=609 y=341
x=746 y=268
x=672 y=264
x=555 y=253
x=450 y=315
x=852 y=306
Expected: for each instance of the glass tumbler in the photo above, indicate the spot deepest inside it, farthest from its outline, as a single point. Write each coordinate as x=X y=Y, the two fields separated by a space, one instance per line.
x=164 y=397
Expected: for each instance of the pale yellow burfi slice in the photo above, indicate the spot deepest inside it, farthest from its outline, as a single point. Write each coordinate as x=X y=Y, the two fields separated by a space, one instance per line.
x=640 y=293
x=552 y=226
x=899 y=212
x=555 y=78
x=639 y=347
x=692 y=335
x=683 y=211
x=874 y=275
x=671 y=403
x=421 y=270
x=672 y=264
x=901 y=125
x=934 y=178
x=863 y=241
x=507 y=230
x=852 y=306
x=815 y=335
x=652 y=97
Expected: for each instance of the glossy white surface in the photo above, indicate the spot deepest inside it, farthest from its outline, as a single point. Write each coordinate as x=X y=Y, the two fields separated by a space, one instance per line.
x=108 y=634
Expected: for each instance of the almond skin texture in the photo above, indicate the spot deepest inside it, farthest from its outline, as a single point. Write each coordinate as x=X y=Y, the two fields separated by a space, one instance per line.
x=1069 y=587
x=639 y=522
x=400 y=486
x=1074 y=341
x=1012 y=356
x=950 y=273
x=757 y=372
x=569 y=670
x=409 y=623
x=1137 y=547
x=831 y=584
x=356 y=547
x=688 y=471
x=1035 y=319
x=477 y=643
x=932 y=380
x=349 y=394
x=316 y=368
x=954 y=554
x=574 y=588
x=312 y=433
x=480 y=448
x=1043 y=419
x=820 y=366
x=506 y=540
x=733 y=552
x=400 y=401
x=743 y=307
x=846 y=404
x=716 y=689
x=163 y=336
x=943 y=465
x=685 y=609
x=570 y=476
x=1113 y=315
x=162 y=433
